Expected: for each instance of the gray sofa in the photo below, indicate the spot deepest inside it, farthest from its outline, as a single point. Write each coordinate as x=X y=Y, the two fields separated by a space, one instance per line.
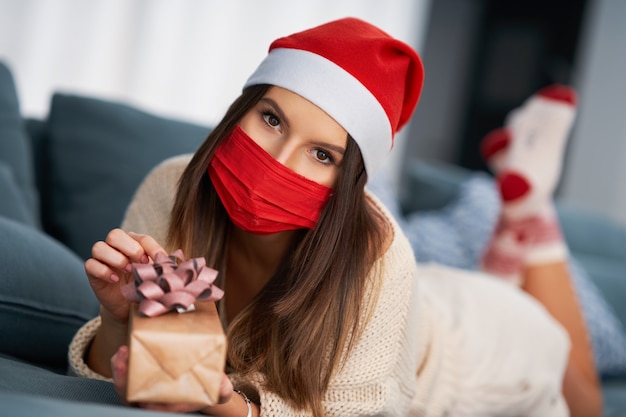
x=66 y=180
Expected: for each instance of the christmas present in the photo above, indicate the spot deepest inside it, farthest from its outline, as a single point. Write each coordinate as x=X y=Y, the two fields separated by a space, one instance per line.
x=177 y=343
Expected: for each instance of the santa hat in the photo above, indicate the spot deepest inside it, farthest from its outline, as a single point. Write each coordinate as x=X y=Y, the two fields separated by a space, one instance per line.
x=363 y=78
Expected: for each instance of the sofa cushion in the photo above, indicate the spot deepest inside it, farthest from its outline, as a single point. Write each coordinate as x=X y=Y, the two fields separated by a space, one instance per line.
x=12 y=202
x=99 y=151
x=37 y=131
x=21 y=378
x=44 y=296
x=600 y=244
x=82 y=401
x=15 y=146
x=614 y=395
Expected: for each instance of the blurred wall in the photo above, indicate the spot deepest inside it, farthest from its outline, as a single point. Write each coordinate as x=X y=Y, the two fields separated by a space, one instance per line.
x=595 y=176
x=189 y=58
x=183 y=58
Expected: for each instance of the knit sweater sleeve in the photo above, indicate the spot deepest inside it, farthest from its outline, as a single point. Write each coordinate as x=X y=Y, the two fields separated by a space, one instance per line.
x=379 y=375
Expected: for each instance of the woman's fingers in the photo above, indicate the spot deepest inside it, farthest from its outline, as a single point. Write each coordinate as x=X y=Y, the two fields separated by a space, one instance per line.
x=127 y=245
x=97 y=270
x=119 y=368
x=111 y=265
x=226 y=389
x=115 y=255
x=107 y=262
x=120 y=249
x=150 y=246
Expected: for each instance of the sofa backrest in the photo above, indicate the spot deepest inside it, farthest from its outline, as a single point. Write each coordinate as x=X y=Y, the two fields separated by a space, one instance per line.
x=19 y=197
x=91 y=155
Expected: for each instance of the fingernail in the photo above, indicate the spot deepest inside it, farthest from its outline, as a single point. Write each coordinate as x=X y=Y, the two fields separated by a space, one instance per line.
x=128 y=268
x=144 y=259
x=114 y=278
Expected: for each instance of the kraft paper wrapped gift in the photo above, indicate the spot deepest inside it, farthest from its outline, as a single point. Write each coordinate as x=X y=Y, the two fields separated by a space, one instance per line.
x=177 y=357
x=177 y=343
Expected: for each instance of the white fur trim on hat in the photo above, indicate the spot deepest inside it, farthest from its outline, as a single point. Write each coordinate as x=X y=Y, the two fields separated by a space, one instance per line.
x=335 y=91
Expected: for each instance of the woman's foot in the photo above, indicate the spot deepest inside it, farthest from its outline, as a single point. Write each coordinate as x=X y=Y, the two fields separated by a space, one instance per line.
x=526 y=156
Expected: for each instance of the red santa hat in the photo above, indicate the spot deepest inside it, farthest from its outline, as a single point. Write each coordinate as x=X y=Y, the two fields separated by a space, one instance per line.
x=363 y=78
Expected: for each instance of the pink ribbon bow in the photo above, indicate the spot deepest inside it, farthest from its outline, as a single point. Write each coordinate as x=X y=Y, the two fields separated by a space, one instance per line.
x=166 y=285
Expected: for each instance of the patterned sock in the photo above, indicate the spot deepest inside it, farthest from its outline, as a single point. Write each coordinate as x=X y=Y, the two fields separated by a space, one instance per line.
x=504 y=256
x=494 y=148
x=528 y=169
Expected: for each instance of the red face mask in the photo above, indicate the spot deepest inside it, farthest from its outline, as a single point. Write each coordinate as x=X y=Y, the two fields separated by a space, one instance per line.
x=261 y=195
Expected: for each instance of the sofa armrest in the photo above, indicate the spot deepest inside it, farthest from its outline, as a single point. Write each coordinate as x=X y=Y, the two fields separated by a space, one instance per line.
x=599 y=244
x=430 y=185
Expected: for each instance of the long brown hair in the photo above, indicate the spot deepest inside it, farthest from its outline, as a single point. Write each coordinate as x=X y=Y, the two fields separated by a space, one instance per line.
x=296 y=330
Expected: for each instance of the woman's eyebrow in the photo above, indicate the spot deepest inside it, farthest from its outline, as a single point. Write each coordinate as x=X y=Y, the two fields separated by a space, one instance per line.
x=268 y=101
x=276 y=108
x=339 y=149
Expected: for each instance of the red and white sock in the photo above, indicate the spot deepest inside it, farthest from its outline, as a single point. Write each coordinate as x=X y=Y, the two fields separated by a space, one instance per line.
x=494 y=148
x=505 y=253
x=528 y=168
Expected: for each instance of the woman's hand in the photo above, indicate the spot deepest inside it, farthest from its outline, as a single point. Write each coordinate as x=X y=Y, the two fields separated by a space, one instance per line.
x=119 y=366
x=110 y=267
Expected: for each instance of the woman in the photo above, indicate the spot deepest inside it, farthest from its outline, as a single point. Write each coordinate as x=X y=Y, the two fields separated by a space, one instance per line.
x=326 y=311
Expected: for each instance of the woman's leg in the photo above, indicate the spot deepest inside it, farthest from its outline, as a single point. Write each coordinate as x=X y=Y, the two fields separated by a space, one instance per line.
x=528 y=248
x=550 y=283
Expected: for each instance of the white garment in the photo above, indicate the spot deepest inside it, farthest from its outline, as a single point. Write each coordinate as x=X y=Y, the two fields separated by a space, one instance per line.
x=510 y=353
x=439 y=342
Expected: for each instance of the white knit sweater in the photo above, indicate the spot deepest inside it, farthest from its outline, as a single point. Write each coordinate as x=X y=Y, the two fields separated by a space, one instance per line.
x=417 y=353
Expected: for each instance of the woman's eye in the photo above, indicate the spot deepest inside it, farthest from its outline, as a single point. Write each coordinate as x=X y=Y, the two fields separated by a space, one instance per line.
x=271 y=120
x=323 y=156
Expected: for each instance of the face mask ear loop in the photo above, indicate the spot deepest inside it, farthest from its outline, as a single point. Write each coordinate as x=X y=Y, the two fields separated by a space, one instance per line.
x=358 y=177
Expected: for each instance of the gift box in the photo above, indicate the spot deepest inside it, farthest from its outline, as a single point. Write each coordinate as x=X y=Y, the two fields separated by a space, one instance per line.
x=176 y=357
x=177 y=343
